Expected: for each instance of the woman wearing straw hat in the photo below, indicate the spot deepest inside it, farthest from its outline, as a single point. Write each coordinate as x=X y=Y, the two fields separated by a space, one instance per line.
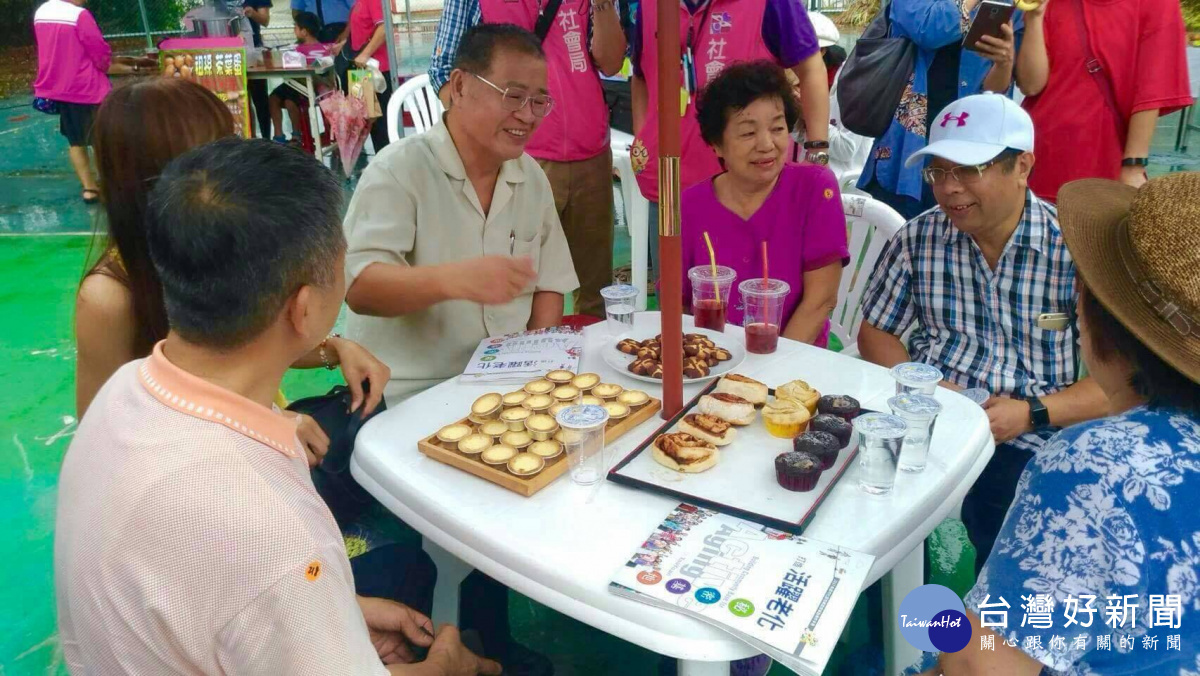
x=1106 y=521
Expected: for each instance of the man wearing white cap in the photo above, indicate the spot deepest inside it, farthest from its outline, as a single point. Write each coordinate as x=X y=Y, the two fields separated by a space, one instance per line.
x=989 y=283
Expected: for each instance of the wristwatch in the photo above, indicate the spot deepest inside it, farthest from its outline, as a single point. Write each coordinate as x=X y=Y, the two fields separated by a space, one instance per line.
x=817 y=157
x=1039 y=417
x=1135 y=162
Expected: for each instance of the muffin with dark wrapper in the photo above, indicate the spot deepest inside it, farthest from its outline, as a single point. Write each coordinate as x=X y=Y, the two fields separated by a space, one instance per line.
x=833 y=424
x=840 y=405
x=823 y=445
x=797 y=471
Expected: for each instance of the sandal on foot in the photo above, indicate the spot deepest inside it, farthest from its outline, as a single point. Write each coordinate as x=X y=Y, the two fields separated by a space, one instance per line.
x=91 y=196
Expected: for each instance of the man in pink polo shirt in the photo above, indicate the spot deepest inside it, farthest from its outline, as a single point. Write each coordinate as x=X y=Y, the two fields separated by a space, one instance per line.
x=73 y=65
x=189 y=536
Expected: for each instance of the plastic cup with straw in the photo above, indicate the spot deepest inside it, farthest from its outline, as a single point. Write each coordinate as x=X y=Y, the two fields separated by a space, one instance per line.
x=763 y=299
x=711 y=287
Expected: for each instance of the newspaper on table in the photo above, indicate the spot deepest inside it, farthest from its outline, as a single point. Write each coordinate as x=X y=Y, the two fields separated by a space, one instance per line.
x=786 y=595
x=521 y=357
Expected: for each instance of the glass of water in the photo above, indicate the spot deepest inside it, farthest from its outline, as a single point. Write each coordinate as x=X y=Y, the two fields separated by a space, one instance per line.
x=916 y=377
x=920 y=412
x=583 y=440
x=619 y=303
x=880 y=439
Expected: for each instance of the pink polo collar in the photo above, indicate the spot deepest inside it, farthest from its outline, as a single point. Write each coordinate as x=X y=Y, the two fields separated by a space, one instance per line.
x=201 y=399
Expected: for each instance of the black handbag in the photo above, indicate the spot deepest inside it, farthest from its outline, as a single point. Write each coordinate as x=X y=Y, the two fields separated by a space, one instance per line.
x=874 y=77
x=345 y=498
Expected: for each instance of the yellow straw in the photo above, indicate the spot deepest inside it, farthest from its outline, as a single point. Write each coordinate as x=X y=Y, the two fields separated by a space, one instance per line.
x=712 y=260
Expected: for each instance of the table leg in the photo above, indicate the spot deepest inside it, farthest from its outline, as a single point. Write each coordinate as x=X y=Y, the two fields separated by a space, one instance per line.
x=908 y=574
x=314 y=116
x=691 y=668
x=450 y=574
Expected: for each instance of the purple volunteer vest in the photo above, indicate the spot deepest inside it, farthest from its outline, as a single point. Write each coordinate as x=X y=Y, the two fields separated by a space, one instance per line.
x=577 y=127
x=733 y=33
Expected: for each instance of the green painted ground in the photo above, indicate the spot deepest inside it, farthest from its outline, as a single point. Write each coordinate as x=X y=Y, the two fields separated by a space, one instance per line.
x=39 y=270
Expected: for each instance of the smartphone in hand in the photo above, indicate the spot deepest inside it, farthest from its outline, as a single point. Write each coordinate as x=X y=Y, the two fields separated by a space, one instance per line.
x=988 y=20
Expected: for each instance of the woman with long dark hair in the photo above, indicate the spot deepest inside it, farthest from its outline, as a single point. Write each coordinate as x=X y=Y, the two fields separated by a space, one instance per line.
x=119 y=311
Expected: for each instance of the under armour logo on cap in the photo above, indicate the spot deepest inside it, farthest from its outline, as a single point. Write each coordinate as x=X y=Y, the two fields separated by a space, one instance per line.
x=961 y=119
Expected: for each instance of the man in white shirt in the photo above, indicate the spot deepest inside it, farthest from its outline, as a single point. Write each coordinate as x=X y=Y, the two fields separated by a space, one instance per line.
x=453 y=234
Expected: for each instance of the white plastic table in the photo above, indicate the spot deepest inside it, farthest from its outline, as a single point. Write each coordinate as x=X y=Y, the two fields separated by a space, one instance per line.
x=562 y=546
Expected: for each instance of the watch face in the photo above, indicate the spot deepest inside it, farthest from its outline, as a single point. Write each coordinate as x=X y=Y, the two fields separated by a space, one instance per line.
x=821 y=158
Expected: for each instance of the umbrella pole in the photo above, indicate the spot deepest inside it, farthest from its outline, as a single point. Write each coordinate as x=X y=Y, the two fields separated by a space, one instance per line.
x=669 y=247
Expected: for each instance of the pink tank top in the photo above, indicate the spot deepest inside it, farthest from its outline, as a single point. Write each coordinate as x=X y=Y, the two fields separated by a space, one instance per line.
x=577 y=127
x=732 y=31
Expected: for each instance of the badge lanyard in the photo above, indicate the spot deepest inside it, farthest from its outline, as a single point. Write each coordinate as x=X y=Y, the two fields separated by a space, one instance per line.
x=691 y=82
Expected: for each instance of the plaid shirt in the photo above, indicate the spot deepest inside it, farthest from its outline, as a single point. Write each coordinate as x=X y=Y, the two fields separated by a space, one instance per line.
x=457 y=17
x=977 y=325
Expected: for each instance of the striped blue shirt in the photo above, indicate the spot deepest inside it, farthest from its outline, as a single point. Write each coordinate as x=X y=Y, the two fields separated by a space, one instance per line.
x=978 y=325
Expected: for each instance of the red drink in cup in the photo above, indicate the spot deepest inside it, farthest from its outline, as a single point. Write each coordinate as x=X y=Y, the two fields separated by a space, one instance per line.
x=710 y=295
x=762 y=338
x=709 y=314
x=763 y=300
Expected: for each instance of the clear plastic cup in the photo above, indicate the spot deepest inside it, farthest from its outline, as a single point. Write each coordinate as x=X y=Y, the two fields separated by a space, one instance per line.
x=920 y=412
x=710 y=295
x=916 y=377
x=880 y=440
x=582 y=436
x=763 y=318
x=620 y=301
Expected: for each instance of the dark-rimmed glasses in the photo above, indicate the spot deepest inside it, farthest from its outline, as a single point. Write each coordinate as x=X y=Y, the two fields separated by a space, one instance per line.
x=512 y=101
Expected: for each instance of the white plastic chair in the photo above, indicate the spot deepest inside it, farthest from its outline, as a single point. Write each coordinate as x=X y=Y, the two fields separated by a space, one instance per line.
x=870 y=224
x=637 y=213
x=417 y=97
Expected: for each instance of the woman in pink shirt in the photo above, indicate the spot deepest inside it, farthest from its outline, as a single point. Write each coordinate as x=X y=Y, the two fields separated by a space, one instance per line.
x=369 y=41
x=745 y=114
x=73 y=66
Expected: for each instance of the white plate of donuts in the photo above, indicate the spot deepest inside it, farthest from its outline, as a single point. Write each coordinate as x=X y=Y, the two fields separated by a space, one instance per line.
x=706 y=355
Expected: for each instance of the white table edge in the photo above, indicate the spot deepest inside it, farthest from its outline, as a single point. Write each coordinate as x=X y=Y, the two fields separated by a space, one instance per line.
x=706 y=650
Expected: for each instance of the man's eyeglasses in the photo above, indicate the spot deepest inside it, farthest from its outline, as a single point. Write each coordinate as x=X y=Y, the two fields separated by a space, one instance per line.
x=512 y=101
x=966 y=174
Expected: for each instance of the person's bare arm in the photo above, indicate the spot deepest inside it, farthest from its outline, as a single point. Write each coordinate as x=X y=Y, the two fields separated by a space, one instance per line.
x=1002 y=53
x=368 y=50
x=1137 y=144
x=104 y=335
x=389 y=290
x=639 y=98
x=973 y=660
x=1033 y=61
x=1082 y=401
x=820 y=297
x=814 y=97
x=880 y=347
x=547 y=310
x=608 y=40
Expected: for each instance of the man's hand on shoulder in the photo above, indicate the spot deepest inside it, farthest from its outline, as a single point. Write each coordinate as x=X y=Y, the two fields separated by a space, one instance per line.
x=490 y=280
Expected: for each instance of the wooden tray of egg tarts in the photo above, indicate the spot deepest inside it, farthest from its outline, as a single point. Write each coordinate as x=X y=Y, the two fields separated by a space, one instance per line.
x=527 y=463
